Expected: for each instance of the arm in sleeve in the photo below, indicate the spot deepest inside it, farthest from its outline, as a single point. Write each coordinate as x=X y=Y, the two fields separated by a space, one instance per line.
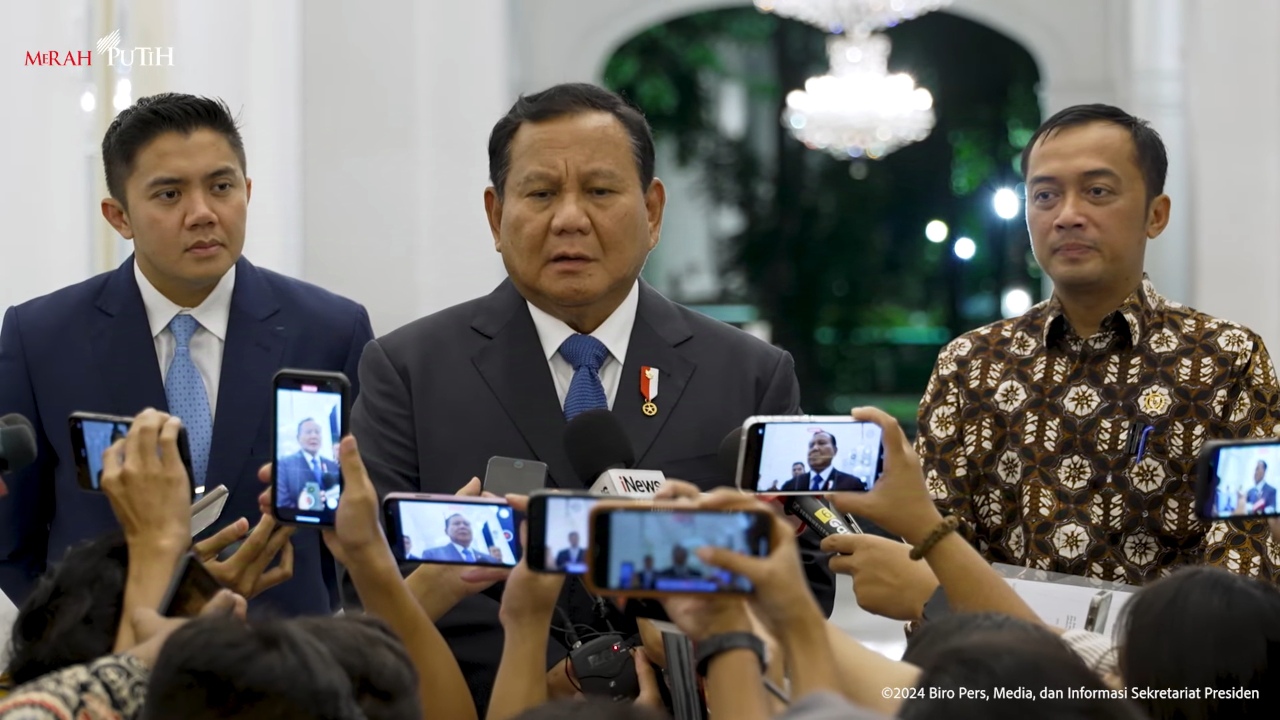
x=109 y=688
x=1253 y=411
x=782 y=397
x=26 y=508
x=940 y=442
x=383 y=423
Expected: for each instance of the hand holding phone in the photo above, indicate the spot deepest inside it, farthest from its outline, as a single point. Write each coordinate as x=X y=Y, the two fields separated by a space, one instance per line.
x=452 y=529
x=191 y=589
x=809 y=455
x=93 y=433
x=653 y=550
x=310 y=416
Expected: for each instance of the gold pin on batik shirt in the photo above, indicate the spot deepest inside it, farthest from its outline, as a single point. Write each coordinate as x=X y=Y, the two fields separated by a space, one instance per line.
x=649 y=390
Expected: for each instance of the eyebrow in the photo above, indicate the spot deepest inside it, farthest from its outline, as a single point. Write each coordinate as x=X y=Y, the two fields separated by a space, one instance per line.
x=1087 y=174
x=224 y=171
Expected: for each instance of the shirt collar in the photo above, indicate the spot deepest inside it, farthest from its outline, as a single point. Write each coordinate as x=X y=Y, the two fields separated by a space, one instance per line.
x=825 y=474
x=1134 y=315
x=212 y=314
x=614 y=332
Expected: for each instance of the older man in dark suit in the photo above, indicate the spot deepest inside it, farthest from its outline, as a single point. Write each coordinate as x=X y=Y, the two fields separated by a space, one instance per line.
x=822 y=475
x=294 y=472
x=574 y=210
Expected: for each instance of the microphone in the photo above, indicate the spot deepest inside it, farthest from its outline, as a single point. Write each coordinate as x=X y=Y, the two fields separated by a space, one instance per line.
x=17 y=443
x=816 y=515
x=601 y=453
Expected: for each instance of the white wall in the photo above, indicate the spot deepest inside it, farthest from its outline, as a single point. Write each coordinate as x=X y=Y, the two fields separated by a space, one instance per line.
x=398 y=101
x=46 y=145
x=1233 y=79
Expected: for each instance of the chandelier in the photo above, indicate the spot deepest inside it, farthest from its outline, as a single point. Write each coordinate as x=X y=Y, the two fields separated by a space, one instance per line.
x=854 y=17
x=859 y=109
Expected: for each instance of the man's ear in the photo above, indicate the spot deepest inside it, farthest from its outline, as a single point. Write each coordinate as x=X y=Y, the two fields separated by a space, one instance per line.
x=116 y=214
x=493 y=211
x=1158 y=216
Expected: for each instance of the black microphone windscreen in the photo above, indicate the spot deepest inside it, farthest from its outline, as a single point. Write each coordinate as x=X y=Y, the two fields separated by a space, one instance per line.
x=595 y=441
x=17 y=443
x=727 y=455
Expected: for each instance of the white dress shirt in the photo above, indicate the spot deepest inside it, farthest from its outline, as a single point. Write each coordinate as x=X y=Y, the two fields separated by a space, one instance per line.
x=614 y=333
x=207 y=342
x=462 y=552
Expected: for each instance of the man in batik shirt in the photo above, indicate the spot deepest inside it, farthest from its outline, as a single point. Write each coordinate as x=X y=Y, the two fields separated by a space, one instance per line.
x=1066 y=438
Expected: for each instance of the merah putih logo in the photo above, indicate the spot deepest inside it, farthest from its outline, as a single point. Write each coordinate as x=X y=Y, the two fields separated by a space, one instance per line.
x=109 y=46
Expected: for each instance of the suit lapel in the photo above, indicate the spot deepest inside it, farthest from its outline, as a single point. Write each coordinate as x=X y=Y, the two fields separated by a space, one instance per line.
x=124 y=350
x=250 y=357
x=513 y=367
x=659 y=328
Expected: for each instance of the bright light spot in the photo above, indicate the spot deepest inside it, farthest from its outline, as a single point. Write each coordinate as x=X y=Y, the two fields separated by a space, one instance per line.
x=965 y=248
x=1015 y=302
x=936 y=231
x=87 y=101
x=1006 y=203
x=124 y=95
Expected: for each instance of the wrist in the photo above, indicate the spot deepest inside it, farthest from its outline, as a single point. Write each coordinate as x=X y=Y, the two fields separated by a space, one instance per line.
x=921 y=524
x=735 y=623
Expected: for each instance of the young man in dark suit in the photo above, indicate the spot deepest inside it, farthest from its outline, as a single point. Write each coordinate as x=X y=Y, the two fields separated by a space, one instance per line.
x=186 y=324
x=574 y=210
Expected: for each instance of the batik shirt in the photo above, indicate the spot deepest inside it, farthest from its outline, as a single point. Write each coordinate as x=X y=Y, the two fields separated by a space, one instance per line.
x=1024 y=434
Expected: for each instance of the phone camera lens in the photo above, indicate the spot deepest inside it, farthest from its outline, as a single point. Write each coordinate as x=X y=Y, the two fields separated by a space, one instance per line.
x=519 y=464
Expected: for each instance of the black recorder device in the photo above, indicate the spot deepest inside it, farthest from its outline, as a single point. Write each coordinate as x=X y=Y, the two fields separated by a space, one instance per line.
x=604 y=667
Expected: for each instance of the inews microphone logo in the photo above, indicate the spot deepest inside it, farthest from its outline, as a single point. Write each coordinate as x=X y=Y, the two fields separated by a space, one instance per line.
x=108 y=45
x=635 y=485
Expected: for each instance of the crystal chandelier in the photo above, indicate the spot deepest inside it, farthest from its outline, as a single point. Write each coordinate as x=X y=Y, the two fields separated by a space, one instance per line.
x=859 y=109
x=853 y=17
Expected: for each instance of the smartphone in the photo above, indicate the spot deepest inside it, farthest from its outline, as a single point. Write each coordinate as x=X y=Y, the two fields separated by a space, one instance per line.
x=559 y=523
x=310 y=411
x=1238 y=479
x=93 y=433
x=191 y=589
x=651 y=550
x=1099 y=611
x=452 y=529
x=809 y=455
x=506 y=475
x=206 y=511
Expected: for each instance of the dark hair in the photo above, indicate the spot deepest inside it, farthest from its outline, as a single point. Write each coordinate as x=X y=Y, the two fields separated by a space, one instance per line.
x=568 y=99
x=1263 y=463
x=72 y=615
x=936 y=635
x=382 y=674
x=304 y=422
x=592 y=708
x=824 y=432
x=221 y=667
x=155 y=115
x=991 y=663
x=1151 y=157
x=1204 y=627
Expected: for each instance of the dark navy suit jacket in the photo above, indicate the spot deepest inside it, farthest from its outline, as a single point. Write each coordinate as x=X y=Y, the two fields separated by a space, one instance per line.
x=89 y=347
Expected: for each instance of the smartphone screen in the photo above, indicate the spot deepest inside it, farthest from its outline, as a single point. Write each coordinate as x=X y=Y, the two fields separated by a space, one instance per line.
x=559 y=526
x=810 y=455
x=93 y=433
x=310 y=420
x=192 y=588
x=450 y=530
x=652 y=550
x=505 y=476
x=1239 y=479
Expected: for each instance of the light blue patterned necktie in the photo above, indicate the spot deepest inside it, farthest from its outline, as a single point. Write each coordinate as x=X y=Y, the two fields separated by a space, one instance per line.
x=188 y=398
x=586 y=354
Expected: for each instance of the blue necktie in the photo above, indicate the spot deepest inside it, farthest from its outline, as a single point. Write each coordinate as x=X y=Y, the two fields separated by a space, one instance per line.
x=188 y=398
x=466 y=555
x=816 y=484
x=586 y=354
x=315 y=468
